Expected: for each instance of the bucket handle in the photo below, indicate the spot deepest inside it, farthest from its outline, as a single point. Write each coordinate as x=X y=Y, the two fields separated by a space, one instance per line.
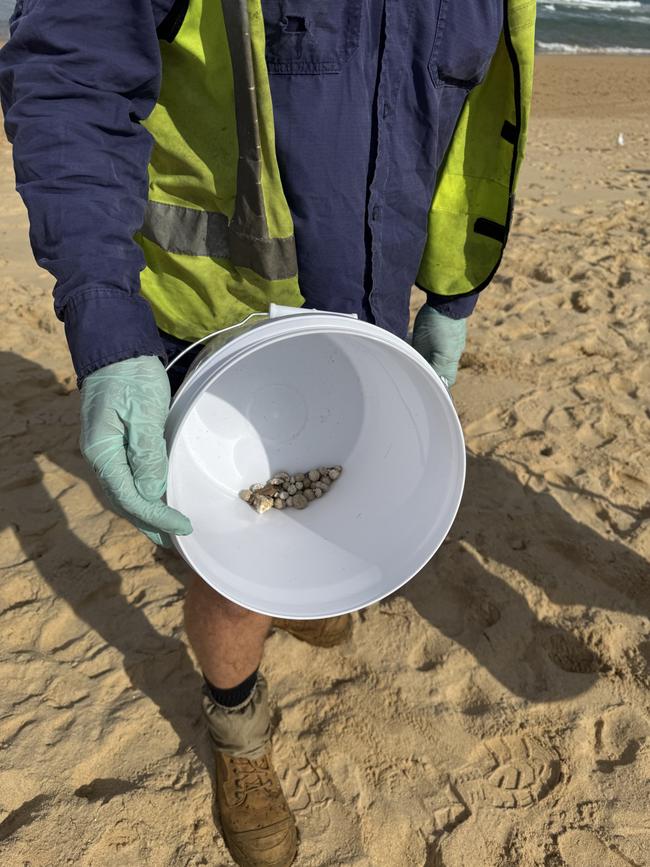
x=212 y=334
x=276 y=311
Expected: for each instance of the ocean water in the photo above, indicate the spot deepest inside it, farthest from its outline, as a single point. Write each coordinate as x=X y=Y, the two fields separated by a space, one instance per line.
x=6 y=8
x=593 y=26
x=563 y=26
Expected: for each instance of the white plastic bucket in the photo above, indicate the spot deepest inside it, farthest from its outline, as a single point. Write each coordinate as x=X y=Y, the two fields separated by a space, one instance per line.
x=294 y=392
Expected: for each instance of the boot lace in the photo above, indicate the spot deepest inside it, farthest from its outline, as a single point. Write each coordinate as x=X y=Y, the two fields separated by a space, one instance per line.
x=251 y=774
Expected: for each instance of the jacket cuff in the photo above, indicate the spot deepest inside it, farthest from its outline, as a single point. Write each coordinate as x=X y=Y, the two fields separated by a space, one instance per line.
x=459 y=307
x=105 y=325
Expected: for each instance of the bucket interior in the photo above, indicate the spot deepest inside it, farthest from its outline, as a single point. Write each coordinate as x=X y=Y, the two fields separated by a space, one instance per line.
x=305 y=401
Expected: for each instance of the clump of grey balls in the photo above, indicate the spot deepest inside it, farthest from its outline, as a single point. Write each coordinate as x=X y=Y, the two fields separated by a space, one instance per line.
x=286 y=491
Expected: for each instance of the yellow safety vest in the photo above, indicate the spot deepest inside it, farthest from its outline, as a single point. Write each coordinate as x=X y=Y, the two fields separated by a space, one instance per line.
x=218 y=234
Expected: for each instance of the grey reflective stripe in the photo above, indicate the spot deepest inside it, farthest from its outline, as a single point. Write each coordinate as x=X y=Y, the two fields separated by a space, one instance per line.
x=273 y=258
x=203 y=233
x=186 y=230
x=250 y=214
x=245 y=240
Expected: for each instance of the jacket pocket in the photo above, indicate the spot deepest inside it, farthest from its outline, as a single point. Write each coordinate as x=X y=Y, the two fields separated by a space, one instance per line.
x=307 y=37
x=467 y=34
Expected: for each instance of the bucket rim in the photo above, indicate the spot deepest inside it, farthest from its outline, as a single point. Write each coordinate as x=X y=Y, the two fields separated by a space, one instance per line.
x=344 y=325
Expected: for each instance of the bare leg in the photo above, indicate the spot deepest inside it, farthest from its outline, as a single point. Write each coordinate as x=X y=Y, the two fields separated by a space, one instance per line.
x=228 y=640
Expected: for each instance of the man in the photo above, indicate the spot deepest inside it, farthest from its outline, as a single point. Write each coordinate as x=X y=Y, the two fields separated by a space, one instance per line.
x=297 y=157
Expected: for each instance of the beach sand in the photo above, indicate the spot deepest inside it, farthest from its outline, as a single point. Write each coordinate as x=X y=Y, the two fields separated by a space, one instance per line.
x=495 y=711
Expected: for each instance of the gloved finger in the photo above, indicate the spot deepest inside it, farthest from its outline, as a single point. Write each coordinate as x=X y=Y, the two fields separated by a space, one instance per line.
x=147 y=456
x=117 y=480
x=161 y=539
x=98 y=449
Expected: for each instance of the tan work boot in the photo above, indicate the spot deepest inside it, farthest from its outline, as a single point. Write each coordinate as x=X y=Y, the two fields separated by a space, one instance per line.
x=256 y=821
x=321 y=633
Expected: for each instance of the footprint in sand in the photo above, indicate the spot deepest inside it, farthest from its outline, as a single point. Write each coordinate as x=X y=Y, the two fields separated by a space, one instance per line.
x=302 y=781
x=579 y=302
x=638 y=662
x=507 y=773
x=570 y=654
x=620 y=735
x=542 y=274
x=315 y=799
x=581 y=848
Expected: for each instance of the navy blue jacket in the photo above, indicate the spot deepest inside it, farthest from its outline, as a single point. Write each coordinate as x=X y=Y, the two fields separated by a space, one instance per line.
x=358 y=150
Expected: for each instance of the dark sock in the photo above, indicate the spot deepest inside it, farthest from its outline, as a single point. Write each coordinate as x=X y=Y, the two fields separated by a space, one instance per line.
x=236 y=694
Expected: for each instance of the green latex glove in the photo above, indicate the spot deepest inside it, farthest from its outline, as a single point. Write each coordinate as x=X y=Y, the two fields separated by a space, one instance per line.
x=441 y=341
x=123 y=412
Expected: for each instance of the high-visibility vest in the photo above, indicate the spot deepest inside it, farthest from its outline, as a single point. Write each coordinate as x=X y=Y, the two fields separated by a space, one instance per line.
x=472 y=206
x=218 y=234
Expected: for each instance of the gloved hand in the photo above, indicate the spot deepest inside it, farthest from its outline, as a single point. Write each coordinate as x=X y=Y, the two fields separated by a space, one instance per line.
x=123 y=411
x=441 y=340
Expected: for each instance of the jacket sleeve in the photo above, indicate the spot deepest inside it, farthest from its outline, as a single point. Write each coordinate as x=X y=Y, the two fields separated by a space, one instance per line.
x=75 y=81
x=459 y=307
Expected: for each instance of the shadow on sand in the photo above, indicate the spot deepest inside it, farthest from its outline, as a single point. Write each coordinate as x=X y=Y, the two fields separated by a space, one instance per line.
x=535 y=539
x=38 y=413
x=526 y=532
